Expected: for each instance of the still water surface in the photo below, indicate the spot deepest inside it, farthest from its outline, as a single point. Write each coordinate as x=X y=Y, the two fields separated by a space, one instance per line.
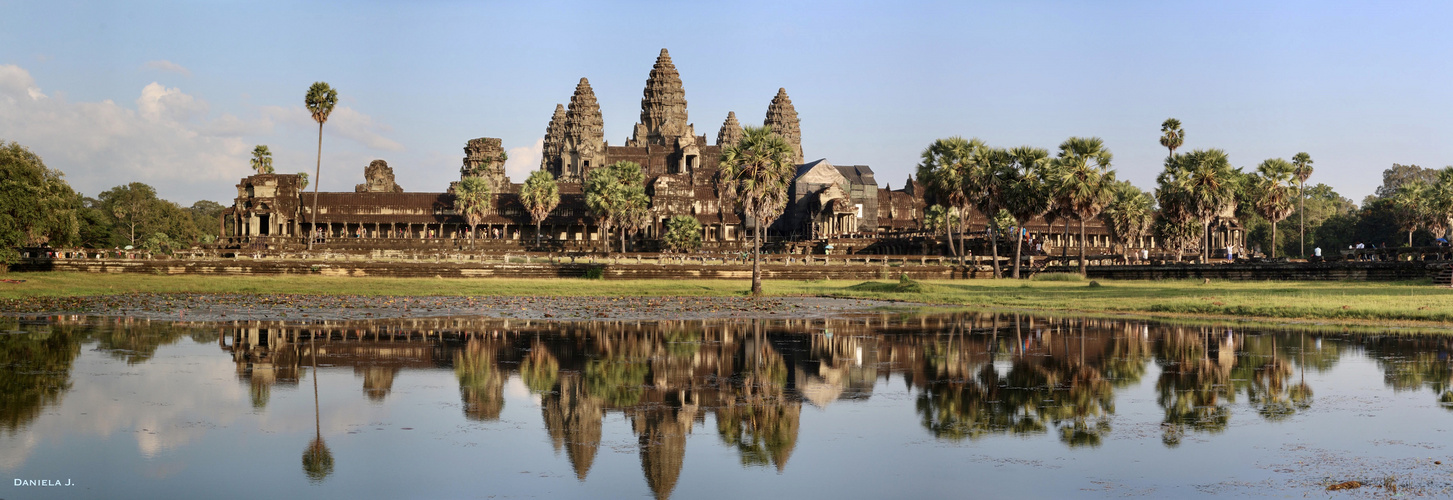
x=872 y=406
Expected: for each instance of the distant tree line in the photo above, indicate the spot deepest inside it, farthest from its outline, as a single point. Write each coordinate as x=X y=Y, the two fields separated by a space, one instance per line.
x=38 y=207
x=1413 y=206
x=1194 y=190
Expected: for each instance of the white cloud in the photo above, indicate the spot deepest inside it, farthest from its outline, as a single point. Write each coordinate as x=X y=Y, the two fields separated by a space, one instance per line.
x=16 y=81
x=100 y=145
x=165 y=65
x=343 y=122
x=158 y=102
x=169 y=139
x=524 y=159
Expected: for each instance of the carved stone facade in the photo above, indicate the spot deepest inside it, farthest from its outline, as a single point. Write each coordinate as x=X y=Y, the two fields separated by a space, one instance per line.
x=663 y=108
x=782 y=119
x=554 y=144
x=826 y=201
x=583 y=145
x=731 y=132
x=378 y=178
x=485 y=157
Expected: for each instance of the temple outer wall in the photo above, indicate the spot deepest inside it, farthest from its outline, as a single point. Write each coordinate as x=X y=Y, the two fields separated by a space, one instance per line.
x=835 y=267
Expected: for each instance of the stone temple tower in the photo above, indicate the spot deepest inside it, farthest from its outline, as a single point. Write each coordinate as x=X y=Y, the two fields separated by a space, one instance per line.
x=485 y=157
x=663 y=107
x=554 y=142
x=782 y=119
x=731 y=131
x=583 y=143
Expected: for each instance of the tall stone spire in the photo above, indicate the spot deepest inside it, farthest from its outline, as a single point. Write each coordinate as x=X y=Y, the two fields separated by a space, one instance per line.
x=782 y=119
x=731 y=131
x=663 y=107
x=554 y=142
x=584 y=145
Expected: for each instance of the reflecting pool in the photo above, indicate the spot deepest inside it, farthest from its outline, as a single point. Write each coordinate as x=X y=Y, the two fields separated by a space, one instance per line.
x=883 y=405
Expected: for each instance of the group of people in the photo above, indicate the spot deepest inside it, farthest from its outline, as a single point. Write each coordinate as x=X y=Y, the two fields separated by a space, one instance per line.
x=321 y=235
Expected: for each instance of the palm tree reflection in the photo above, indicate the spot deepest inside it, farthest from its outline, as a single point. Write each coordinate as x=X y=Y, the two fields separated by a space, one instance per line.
x=317 y=460
x=1058 y=386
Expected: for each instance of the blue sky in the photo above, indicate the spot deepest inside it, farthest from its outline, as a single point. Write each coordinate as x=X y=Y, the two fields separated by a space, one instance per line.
x=177 y=94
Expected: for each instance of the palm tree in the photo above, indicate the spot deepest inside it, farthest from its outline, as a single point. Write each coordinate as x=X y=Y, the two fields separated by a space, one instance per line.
x=617 y=197
x=986 y=185
x=317 y=460
x=1086 y=181
x=1272 y=195
x=1303 y=163
x=1440 y=204
x=758 y=170
x=1412 y=206
x=602 y=193
x=540 y=195
x=1129 y=215
x=1172 y=136
x=262 y=159
x=1027 y=194
x=635 y=213
x=1210 y=188
x=472 y=199
x=946 y=163
x=320 y=101
x=939 y=219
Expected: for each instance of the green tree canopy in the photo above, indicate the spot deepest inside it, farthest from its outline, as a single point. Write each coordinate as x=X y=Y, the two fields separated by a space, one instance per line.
x=1272 y=194
x=757 y=171
x=36 y=204
x=138 y=215
x=616 y=196
x=540 y=195
x=262 y=159
x=1200 y=185
x=1171 y=135
x=1085 y=181
x=472 y=199
x=945 y=167
x=1129 y=215
x=320 y=100
x=1027 y=192
x=683 y=233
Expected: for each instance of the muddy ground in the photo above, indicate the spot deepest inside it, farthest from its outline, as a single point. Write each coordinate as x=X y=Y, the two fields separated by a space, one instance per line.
x=249 y=307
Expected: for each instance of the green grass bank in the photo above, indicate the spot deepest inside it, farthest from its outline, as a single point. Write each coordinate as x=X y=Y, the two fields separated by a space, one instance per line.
x=1408 y=302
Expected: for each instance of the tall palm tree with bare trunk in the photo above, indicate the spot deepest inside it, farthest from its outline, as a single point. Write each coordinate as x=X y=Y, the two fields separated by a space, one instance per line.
x=320 y=101
x=1302 y=164
x=1273 y=198
x=946 y=164
x=1172 y=136
x=540 y=195
x=757 y=171
x=472 y=199
x=1027 y=194
x=1087 y=184
x=317 y=460
x=1209 y=189
x=1129 y=215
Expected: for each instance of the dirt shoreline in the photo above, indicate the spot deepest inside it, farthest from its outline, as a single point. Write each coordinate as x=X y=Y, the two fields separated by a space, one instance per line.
x=209 y=307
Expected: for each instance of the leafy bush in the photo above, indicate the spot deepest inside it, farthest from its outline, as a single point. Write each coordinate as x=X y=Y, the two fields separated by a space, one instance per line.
x=683 y=233
x=595 y=273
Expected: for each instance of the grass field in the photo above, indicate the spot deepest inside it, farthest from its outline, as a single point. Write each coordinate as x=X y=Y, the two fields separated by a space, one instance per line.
x=1414 y=302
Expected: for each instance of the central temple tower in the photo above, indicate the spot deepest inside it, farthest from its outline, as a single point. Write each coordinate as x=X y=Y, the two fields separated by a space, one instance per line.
x=663 y=108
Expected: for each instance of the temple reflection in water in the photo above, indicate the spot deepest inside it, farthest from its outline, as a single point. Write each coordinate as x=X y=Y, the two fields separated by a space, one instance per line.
x=974 y=375
x=969 y=376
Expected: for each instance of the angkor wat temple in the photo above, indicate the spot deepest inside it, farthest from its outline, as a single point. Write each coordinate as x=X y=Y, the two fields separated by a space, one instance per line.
x=828 y=204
